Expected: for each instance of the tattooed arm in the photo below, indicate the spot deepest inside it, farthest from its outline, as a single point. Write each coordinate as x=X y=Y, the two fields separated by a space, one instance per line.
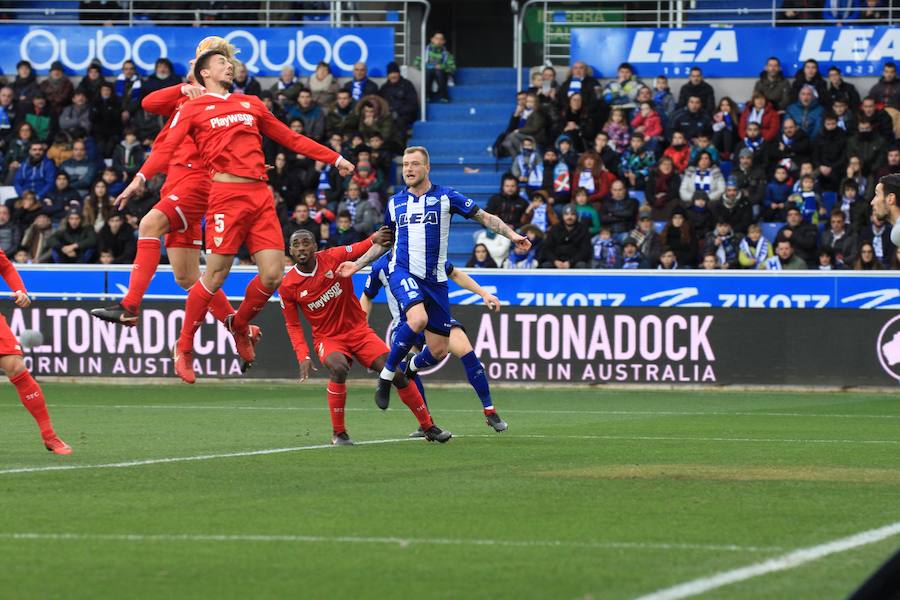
x=495 y=224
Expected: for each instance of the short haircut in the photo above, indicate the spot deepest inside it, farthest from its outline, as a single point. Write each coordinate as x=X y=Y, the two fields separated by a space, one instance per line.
x=203 y=62
x=344 y=214
x=785 y=241
x=754 y=227
x=421 y=150
x=890 y=65
x=891 y=185
x=838 y=213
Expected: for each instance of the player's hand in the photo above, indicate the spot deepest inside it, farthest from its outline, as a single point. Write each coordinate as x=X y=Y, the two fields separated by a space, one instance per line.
x=346 y=168
x=384 y=237
x=491 y=301
x=22 y=299
x=136 y=186
x=305 y=366
x=521 y=242
x=347 y=269
x=192 y=91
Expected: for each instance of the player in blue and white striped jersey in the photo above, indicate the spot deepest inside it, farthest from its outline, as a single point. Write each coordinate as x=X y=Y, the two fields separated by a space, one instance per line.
x=420 y=216
x=459 y=344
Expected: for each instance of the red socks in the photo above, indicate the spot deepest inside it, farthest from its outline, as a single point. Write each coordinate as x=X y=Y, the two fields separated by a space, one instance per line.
x=195 y=309
x=255 y=299
x=220 y=307
x=145 y=263
x=413 y=399
x=33 y=399
x=337 y=398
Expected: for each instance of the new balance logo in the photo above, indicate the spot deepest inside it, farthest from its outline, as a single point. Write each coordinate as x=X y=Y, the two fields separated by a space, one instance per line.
x=211 y=107
x=304 y=294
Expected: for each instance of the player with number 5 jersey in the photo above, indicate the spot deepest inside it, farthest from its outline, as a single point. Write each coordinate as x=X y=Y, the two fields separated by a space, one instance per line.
x=420 y=216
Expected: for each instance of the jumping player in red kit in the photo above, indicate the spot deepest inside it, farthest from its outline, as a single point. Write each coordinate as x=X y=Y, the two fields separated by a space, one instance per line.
x=226 y=128
x=340 y=330
x=13 y=365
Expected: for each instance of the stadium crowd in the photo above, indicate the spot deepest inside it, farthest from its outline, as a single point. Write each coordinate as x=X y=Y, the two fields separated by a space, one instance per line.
x=68 y=150
x=632 y=174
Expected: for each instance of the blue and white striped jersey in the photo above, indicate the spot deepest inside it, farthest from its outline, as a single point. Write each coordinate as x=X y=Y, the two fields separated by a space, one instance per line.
x=422 y=229
x=379 y=278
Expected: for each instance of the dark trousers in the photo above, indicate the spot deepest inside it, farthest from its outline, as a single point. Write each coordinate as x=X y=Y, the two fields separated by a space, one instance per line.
x=433 y=76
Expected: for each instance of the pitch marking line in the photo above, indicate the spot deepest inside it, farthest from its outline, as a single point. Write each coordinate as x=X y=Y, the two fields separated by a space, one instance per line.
x=201 y=457
x=785 y=562
x=399 y=541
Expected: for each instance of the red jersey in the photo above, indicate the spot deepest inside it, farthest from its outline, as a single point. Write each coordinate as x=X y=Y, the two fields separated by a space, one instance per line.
x=167 y=102
x=327 y=301
x=10 y=275
x=227 y=130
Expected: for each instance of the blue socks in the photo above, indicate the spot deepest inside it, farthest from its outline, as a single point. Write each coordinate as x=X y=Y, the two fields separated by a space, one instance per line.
x=423 y=359
x=478 y=379
x=403 y=340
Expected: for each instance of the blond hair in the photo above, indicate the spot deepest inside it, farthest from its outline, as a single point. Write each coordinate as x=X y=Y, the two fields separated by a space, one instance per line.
x=421 y=150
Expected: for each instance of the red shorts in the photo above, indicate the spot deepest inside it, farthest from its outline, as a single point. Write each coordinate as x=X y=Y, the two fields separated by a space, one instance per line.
x=8 y=342
x=241 y=213
x=364 y=346
x=183 y=200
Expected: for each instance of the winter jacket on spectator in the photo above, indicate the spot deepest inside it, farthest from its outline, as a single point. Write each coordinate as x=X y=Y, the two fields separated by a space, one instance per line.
x=147 y=125
x=249 y=86
x=818 y=82
x=808 y=118
x=82 y=174
x=622 y=94
x=38 y=177
x=751 y=182
x=649 y=245
x=36 y=241
x=363 y=87
x=528 y=168
x=342 y=120
x=128 y=91
x=84 y=236
x=619 y=135
x=880 y=238
x=154 y=83
x=638 y=163
x=797 y=149
x=60 y=202
x=596 y=182
x=711 y=150
x=844 y=246
x=619 y=215
x=323 y=90
x=690 y=124
x=751 y=255
x=702 y=90
x=363 y=215
x=90 y=87
x=128 y=158
x=313 y=118
x=58 y=92
x=571 y=245
x=26 y=88
x=401 y=98
x=702 y=222
x=886 y=93
x=770 y=122
x=121 y=243
x=509 y=208
x=804 y=236
x=587 y=87
x=9 y=238
x=776 y=193
x=727 y=250
x=557 y=180
x=882 y=124
x=681 y=241
x=712 y=182
x=737 y=212
x=652 y=124
x=845 y=91
x=680 y=156
x=777 y=90
x=42 y=121
x=106 y=119
x=662 y=193
x=536 y=126
x=73 y=117
x=870 y=148
x=830 y=149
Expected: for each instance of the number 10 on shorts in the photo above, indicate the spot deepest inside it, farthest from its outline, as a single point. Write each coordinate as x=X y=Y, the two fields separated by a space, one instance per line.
x=409 y=284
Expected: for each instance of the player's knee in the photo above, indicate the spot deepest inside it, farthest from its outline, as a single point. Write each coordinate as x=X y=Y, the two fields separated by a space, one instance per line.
x=338 y=369
x=15 y=367
x=154 y=224
x=186 y=280
x=214 y=280
x=271 y=280
x=416 y=321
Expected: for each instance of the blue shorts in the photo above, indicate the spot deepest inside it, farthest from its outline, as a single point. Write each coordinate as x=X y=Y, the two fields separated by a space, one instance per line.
x=410 y=290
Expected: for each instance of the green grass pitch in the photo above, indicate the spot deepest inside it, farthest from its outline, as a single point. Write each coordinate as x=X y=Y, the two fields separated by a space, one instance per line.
x=590 y=494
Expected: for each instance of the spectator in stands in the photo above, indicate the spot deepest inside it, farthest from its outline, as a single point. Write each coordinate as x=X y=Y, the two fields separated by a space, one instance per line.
x=735 y=208
x=481 y=258
x=527 y=165
x=776 y=199
x=679 y=152
x=557 y=177
x=867 y=260
x=114 y=185
x=41 y=118
x=37 y=235
x=363 y=215
x=74 y=242
x=725 y=128
x=9 y=233
x=577 y=122
x=701 y=219
x=846 y=119
x=401 y=97
x=617 y=129
x=529 y=121
x=878 y=234
x=439 y=66
x=851 y=206
x=836 y=87
x=360 y=85
x=618 y=211
x=872 y=13
x=106 y=119
x=525 y=259
x=508 y=204
x=807 y=112
x=540 y=212
x=603 y=149
x=773 y=85
x=724 y=243
x=37 y=173
x=880 y=119
x=710 y=262
x=623 y=90
x=324 y=86
x=636 y=163
x=375 y=116
x=704 y=176
x=244 y=83
x=591 y=174
x=691 y=120
x=808 y=75
x=77 y=115
x=751 y=180
x=647 y=243
x=809 y=201
x=25 y=85
x=300 y=219
x=90 y=83
x=696 y=86
x=581 y=82
x=887 y=91
x=312 y=115
x=703 y=143
x=854 y=174
x=568 y=244
x=98 y=206
x=830 y=153
x=668 y=261
x=60 y=199
x=8 y=116
x=17 y=152
x=286 y=80
x=128 y=156
x=663 y=100
x=117 y=238
x=784 y=259
x=802 y=235
x=547 y=88
x=662 y=190
x=128 y=89
x=605 y=251
x=286 y=184
x=793 y=145
x=61 y=149
x=868 y=146
x=839 y=12
x=647 y=122
x=841 y=242
x=754 y=250
x=163 y=77
x=587 y=214
x=342 y=119
x=892 y=166
x=760 y=111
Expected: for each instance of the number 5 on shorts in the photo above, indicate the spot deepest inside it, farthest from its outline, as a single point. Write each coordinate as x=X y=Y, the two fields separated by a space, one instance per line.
x=219 y=219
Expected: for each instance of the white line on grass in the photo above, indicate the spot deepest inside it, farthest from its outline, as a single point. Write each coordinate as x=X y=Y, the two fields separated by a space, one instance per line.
x=651 y=438
x=178 y=459
x=400 y=541
x=785 y=562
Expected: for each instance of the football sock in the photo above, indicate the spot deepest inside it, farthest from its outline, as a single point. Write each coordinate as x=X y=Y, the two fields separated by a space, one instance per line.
x=220 y=307
x=418 y=381
x=404 y=337
x=423 y=360
x=195 y=310
x=478 y=379
x=337 y=398
x=33 y=399
x=145 y=263
x=413 y=399
x=255 y=299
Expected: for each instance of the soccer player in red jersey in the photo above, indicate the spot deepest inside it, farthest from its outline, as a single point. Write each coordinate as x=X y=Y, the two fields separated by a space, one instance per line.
x=226 y=128
x=341 y=332
x=12 y=364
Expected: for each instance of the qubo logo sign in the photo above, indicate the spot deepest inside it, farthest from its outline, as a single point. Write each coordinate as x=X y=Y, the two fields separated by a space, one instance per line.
x=888 y=348
x=42 y=47
x=306 y=49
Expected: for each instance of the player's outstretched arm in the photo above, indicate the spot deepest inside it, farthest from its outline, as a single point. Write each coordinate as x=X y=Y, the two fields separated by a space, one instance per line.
x=382 y=240
x=165 y=101
x=295 y=333
x=496 y=224
x=465 y=281
x=366 y=303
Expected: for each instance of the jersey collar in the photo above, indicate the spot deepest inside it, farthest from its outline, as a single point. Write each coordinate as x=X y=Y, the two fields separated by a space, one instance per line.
x=225 y=97
x=301 y=273
x=428 y=191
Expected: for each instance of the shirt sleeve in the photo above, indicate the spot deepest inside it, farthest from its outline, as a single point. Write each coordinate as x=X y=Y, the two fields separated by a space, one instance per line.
x=167 y=142
x=289 y=311
x=163 y=102
x=373 y=283
x=280 y=133
x=10 y=275
x=461 y=205
x=448 y=268
x=349 y=252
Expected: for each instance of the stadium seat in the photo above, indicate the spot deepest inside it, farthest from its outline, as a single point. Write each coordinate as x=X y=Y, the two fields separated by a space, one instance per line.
x=639 y=196
x=725 y=166
x=659 y=226
x=770 y=230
